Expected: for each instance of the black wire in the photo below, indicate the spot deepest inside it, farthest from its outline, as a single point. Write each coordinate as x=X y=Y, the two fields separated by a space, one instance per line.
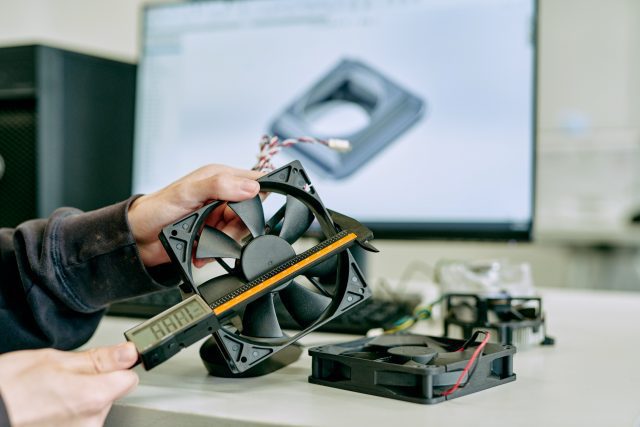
x=476 y=362
x=471 y=340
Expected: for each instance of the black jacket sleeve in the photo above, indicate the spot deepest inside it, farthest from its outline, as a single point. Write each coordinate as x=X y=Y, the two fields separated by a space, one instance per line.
x=57 y=276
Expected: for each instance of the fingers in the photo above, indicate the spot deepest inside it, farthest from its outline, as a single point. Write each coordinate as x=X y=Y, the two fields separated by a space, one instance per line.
x=217 y=215
x=117 y=384
x=148 y=214
x=100 y=391
x=63 y=388
x=225 y=219
x=23 y=359
x=220 y=216
x=103 y=359
x=223 y=187
x=211 y=170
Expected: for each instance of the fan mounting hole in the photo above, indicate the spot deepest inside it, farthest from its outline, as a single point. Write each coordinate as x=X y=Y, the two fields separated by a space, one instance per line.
x=174 y=233
x=243 y=359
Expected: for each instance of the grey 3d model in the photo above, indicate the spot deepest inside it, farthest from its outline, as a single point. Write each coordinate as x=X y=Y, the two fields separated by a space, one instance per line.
x=391 y=110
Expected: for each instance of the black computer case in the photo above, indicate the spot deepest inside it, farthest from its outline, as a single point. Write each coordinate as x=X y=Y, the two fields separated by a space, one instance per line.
x=66 y=131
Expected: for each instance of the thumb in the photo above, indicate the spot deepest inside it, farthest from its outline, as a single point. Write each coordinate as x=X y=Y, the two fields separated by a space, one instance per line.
x=225 y=187
x=103 y=359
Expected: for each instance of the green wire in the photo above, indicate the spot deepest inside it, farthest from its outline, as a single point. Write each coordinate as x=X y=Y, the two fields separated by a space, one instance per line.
x=420 y=313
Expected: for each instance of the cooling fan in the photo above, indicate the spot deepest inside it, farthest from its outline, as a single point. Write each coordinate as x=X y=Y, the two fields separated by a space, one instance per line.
x=415 y=368
x=260 y=253
x=518 y=321
x=263 y=269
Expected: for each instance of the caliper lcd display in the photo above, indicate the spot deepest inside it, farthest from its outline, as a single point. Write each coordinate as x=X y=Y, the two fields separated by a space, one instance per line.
x=164 y=335
x=178 y=317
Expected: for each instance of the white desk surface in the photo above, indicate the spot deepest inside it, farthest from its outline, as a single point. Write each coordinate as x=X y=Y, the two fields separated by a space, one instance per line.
x=591 y=377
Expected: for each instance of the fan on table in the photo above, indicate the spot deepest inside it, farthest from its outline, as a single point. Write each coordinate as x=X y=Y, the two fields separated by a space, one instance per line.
x=415 y=368
x=411 y=350
x=518 y=321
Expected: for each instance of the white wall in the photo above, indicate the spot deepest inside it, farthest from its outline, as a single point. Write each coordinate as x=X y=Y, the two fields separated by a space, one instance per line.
x=589 y=62
x=589 y=121
x=108 y=28
x=589 y=90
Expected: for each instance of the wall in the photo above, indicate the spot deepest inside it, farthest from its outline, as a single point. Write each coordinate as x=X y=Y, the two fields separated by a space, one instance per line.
x=589 y=97
x=107 y=28
x=589 y=122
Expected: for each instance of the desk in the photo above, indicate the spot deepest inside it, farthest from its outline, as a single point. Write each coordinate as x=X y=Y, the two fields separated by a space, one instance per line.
x=590 y=378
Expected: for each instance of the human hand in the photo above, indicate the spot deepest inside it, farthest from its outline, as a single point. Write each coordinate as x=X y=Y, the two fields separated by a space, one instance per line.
x=51 y=387
x=150 y=213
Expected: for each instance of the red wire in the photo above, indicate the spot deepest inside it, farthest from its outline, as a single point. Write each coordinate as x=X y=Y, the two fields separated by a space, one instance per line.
x=469 y=364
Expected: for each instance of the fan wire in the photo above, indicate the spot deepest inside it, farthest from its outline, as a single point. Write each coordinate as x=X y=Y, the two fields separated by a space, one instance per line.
x=270 y=146
x=471 y=361
x=420 y=313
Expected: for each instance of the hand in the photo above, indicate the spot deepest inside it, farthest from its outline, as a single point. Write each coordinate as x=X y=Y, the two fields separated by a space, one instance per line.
x=51 y=387
x=149 y=214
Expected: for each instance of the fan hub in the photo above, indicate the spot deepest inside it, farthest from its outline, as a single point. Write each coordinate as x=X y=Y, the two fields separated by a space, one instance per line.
x=415 y=353
x=263 y=254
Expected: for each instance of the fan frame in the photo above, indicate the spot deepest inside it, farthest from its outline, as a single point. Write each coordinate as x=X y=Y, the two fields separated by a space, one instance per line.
x=243 y=352
x=414 y=382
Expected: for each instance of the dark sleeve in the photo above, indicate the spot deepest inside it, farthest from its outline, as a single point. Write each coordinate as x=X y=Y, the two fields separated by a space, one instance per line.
x=57 y=276
x=4 y=417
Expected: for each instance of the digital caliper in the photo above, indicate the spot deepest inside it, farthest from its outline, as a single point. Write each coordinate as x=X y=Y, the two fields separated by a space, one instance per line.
x=164 y=335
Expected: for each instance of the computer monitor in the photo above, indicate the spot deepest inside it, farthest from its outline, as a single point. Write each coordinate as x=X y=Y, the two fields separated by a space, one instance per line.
x=437 y=98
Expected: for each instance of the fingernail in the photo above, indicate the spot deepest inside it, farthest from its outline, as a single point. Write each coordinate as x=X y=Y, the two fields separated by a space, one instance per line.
x=127 y=354
x=250 y=186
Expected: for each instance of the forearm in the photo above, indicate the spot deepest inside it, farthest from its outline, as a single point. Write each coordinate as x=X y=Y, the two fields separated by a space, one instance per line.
x=59 y=274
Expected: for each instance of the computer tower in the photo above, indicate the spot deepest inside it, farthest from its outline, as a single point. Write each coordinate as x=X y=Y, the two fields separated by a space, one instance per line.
x=66 y=131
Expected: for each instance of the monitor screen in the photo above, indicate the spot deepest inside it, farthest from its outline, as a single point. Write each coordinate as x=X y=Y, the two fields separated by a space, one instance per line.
x=437 y=98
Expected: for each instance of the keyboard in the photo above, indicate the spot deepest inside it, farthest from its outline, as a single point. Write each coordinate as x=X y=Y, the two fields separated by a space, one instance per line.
x=146 y=306
x=370 y=314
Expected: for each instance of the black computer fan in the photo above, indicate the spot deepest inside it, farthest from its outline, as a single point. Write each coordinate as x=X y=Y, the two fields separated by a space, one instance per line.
x=414 y=368
x=251 y=332
x=518 y=321
x=411 y=350
x=269 y=246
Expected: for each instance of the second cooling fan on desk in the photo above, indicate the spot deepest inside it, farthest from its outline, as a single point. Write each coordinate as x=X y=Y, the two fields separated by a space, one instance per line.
x=414 y=368
x=323 y=287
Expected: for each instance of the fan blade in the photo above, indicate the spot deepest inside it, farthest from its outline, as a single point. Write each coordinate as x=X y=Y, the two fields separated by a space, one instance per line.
x=297 y=218
x=323 y=288
x=214 y=243
x=271 y=226
x=436 y=345
x=216 y=288
x=260 y=320
x=251 y=213
x=324 y=269
x=304 y=305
